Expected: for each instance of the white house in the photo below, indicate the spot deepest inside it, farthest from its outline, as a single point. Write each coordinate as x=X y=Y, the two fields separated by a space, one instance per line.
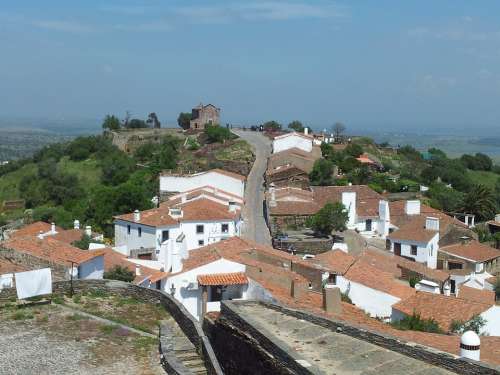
x=176 y=227
x=219 y=179
x=291 y=140
x=417 y=240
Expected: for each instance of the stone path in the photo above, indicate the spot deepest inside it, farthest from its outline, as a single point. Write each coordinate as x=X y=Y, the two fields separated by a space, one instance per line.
x=255 y=227
x=323 y=351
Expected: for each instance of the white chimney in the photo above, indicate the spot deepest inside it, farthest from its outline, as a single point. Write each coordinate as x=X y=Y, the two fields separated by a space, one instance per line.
x=432 y=223
x=53 y=228
x=88 y=230
x=412 y=207
x=306 y=130
x=497 y=218
x=137 y=270
x=470 y=345
x=232 y=206
x=183 y=198
x=447 y=289
x=76 y=224
x=349 y=202
x=40 y=235
x=175 y=213
x=384 y=216
x=137 y=216
x=176 y=260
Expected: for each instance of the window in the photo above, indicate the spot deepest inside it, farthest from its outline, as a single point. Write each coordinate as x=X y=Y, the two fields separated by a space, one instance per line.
x=200 y=229
x=201 y=242
x=413 y=249
x=332 y=278
x=164 y=236
x=454 y=266
x=139 y=232
x=128 y=229
x=225 y=228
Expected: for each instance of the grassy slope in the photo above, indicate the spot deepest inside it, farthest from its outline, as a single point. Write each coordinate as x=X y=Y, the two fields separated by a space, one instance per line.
x=484 y=178
x=87 y=171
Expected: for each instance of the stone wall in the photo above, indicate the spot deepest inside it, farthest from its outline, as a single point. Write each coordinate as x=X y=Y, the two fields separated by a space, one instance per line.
x=308 y=245
x=191 y=328
x=29 y=261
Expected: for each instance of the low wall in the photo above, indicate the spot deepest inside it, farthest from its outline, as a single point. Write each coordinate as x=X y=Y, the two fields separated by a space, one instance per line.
x=191 y=328
x=305 y=246
x=32 y=262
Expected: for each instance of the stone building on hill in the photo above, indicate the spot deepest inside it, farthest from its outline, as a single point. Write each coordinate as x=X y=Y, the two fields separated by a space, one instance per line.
x=203 y=115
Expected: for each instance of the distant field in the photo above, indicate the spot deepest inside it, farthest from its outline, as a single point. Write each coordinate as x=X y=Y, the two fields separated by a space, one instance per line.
x=9 y=183
x=484 y=178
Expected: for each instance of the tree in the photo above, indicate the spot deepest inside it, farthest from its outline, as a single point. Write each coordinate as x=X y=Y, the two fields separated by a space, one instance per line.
x=338 y=129
x=137 y=124
x=111 y=122
x=83 y=243
x=272 y=126
x=354 y=150
x=116 y=168
x=322 y=173
x=217 y=134
x=296 y=125
x=184 y=120
x=480 y=201
x=333 y=216
x=153 y=121
x=474 y=324
x=444 y=198
x=119 y=273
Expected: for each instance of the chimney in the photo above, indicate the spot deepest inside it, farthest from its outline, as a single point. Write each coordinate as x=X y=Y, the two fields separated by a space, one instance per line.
x=176 y=259
x=53 y=228
x=464 y=240
x=175 y=213
x=470 y=345
x=432 y=223
x=306 y=130
x=137 y=270
x=447 y=289
x=497 y=218
x=412 y=207
x=232 y=206
x=40 y=235
x=183 y=198
x=331 y=299
x=88 y=230
x=137 y=216
x=76 y=224
x=272 y=191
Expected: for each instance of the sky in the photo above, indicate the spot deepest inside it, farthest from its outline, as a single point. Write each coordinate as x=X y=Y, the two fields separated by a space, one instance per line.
x=369 y=64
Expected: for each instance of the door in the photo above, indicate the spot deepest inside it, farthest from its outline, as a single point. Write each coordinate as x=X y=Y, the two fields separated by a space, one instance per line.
x=397 y=248
x=368 y=224
x=452 y=286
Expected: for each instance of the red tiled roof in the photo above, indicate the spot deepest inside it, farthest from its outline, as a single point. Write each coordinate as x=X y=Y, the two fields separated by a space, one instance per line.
x=372 y=277
x=334 y=261
x=441 y=308
x=202 y=209
x=50 y=249
x=6 y=266
x=69 y=236
x=236 y=278
x=472 y=250
x=476 y=295
x=34 y=229
x=414 y=230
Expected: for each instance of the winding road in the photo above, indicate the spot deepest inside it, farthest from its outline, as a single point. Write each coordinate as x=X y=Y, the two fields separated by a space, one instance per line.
x=255 y=227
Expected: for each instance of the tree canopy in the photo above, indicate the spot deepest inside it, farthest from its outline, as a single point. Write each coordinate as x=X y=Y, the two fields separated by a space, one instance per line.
x=322 y=173
x=272 y=125
x=333 y=216
x=111 y=122
x=184 y=120
x=296 y=125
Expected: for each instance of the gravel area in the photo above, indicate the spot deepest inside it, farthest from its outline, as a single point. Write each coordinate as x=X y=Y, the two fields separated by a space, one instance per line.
x=49 y=340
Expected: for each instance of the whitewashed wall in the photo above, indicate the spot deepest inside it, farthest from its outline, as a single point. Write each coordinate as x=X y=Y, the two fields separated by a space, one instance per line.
x=92 y=269
x=132 y=240
x=492 y=317
x=291 y=141
x=372 y=301
x=426 y=252
x=185 y=183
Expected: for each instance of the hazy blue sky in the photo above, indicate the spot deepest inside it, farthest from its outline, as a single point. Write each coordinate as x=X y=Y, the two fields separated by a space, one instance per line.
x=394 y=63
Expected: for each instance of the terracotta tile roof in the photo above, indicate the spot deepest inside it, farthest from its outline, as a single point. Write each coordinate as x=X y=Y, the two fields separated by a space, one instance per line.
x=492 y=280
x=113 y=258
x=198 y=210
x=414 y=230
x=430 y=274
x=362 y=273
x=69 y=236
x=441 y=308
x=493 y=222
x=50 y=249
x=472 y=250
x=334 y=261
x=206 y=190
x=283 y=169
x=34 y=229
x=294 y=152
x=364 y=159
x=6 y=266
x=236 y=278
x=477 y=295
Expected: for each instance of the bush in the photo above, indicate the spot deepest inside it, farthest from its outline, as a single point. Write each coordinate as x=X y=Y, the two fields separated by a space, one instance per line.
x=333 y=216
x=120 y=273
x=475 y=324
x=416 y=323
x=83 y=243
x=217 y=134
x=322 y=173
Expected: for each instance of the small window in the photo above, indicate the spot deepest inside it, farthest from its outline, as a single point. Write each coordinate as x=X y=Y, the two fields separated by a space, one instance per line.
x=164 y=236
x=201 y=242
x=200 y=229
x=139 y=232
x=413 y=249
x=225 y=228
x=128 y=229
x=454 y=266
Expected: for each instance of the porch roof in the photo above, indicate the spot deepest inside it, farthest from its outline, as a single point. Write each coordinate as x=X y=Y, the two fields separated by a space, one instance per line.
x=236 y=278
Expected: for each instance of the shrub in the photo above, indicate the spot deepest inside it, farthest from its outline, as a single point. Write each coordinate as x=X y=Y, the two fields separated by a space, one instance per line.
x=333 y=216
x=217 y=134
x=474 y=324
x=119 y=273
x=416 y=323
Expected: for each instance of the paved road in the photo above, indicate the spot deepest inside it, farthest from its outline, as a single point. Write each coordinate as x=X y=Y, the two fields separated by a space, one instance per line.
x=255 y=227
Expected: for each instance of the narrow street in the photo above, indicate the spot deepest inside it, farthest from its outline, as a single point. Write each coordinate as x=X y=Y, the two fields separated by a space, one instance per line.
x=255 y=227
